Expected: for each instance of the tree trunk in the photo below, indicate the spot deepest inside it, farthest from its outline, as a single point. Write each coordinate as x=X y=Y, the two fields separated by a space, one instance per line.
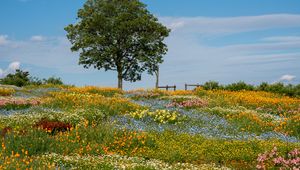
x=120 y=80
x=157 y=78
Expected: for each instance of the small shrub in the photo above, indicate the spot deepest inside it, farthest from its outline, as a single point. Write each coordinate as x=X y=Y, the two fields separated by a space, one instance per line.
x=290 y=90
x=211 y=85
x=263 y=86
x=53 y=126
x=20 y=78
x=239 y=86
x=35 y=81
x=53 y=80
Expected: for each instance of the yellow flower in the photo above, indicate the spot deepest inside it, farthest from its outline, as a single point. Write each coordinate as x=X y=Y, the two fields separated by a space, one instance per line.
x=17 y=155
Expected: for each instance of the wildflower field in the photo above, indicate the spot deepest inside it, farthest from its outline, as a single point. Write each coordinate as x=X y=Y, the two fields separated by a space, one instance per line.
x=63 y=127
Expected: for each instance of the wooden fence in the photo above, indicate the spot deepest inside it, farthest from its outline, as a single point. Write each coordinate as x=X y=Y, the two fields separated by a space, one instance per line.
x=191 y=85
x=167 y=87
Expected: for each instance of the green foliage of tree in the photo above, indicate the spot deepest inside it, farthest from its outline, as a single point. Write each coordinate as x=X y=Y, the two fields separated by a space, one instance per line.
x=19 y=78
x=211 y=85
x=263 y=86
x=280 y=88
x=239 y=86
x=53 y=80
x=35 y=81
x=277 y=87
x=118 y=35
x=290 y=90
x=22 y=78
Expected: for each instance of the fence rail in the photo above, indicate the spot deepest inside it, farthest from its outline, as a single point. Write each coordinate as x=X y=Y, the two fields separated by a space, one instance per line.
x=191 y=85
x=167 y=87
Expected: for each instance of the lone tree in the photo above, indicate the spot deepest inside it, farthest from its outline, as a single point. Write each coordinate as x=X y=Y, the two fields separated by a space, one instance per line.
x=119 y=35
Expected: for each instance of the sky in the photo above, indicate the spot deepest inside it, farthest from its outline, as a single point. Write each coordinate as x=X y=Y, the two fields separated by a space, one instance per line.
x=223 y=40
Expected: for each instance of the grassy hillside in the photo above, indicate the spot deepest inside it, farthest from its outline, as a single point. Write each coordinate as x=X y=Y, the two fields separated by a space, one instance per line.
x=64 y=127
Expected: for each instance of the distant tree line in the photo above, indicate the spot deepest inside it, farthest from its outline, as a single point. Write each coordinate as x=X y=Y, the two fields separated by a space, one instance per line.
x=289 y=89
x=22 y=78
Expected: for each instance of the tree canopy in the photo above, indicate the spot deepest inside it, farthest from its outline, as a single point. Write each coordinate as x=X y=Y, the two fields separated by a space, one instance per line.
x=119 y=35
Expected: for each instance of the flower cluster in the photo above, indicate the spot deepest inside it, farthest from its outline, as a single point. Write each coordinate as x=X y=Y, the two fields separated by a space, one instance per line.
x=105 y=91
x=111 y=105
x=126 y=143
x=160 y=116
x=290 y=125
x=190 y=103
x=180 y=93
x=251 y=121
x=6 y=91
x=17 y=103
x=273 y=159
x=146 y=94
x=262 y=101
x=15 y=160
x=120 y=162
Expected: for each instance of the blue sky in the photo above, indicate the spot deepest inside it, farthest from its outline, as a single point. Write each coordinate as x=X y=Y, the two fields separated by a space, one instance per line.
x=221 y=40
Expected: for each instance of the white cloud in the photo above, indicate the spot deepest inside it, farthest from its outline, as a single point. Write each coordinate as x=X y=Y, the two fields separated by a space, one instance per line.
x=287 y=77
x=268 y=46
x=12 y=67
x=37 y=38
x=176 y=25
x=54 y=54
x=3 y=39
x=229 y=25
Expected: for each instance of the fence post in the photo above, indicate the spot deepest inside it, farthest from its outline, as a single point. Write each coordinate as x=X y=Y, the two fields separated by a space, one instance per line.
x=174 y=87
x=185 y=86
x=167 y=88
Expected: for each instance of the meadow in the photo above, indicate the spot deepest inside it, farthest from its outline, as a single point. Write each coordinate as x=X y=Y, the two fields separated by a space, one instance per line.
x=66 y=127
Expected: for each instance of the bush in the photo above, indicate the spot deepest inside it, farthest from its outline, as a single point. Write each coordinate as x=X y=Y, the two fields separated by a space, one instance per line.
x=276 y=88
x=211 y=85
x=297 y=90
x=290 y=90
x=239 y=86
x=53 y=80
x=280 y=88
x=53 y=126
x=20 y=78
x=35 y=81
x=263 y=86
